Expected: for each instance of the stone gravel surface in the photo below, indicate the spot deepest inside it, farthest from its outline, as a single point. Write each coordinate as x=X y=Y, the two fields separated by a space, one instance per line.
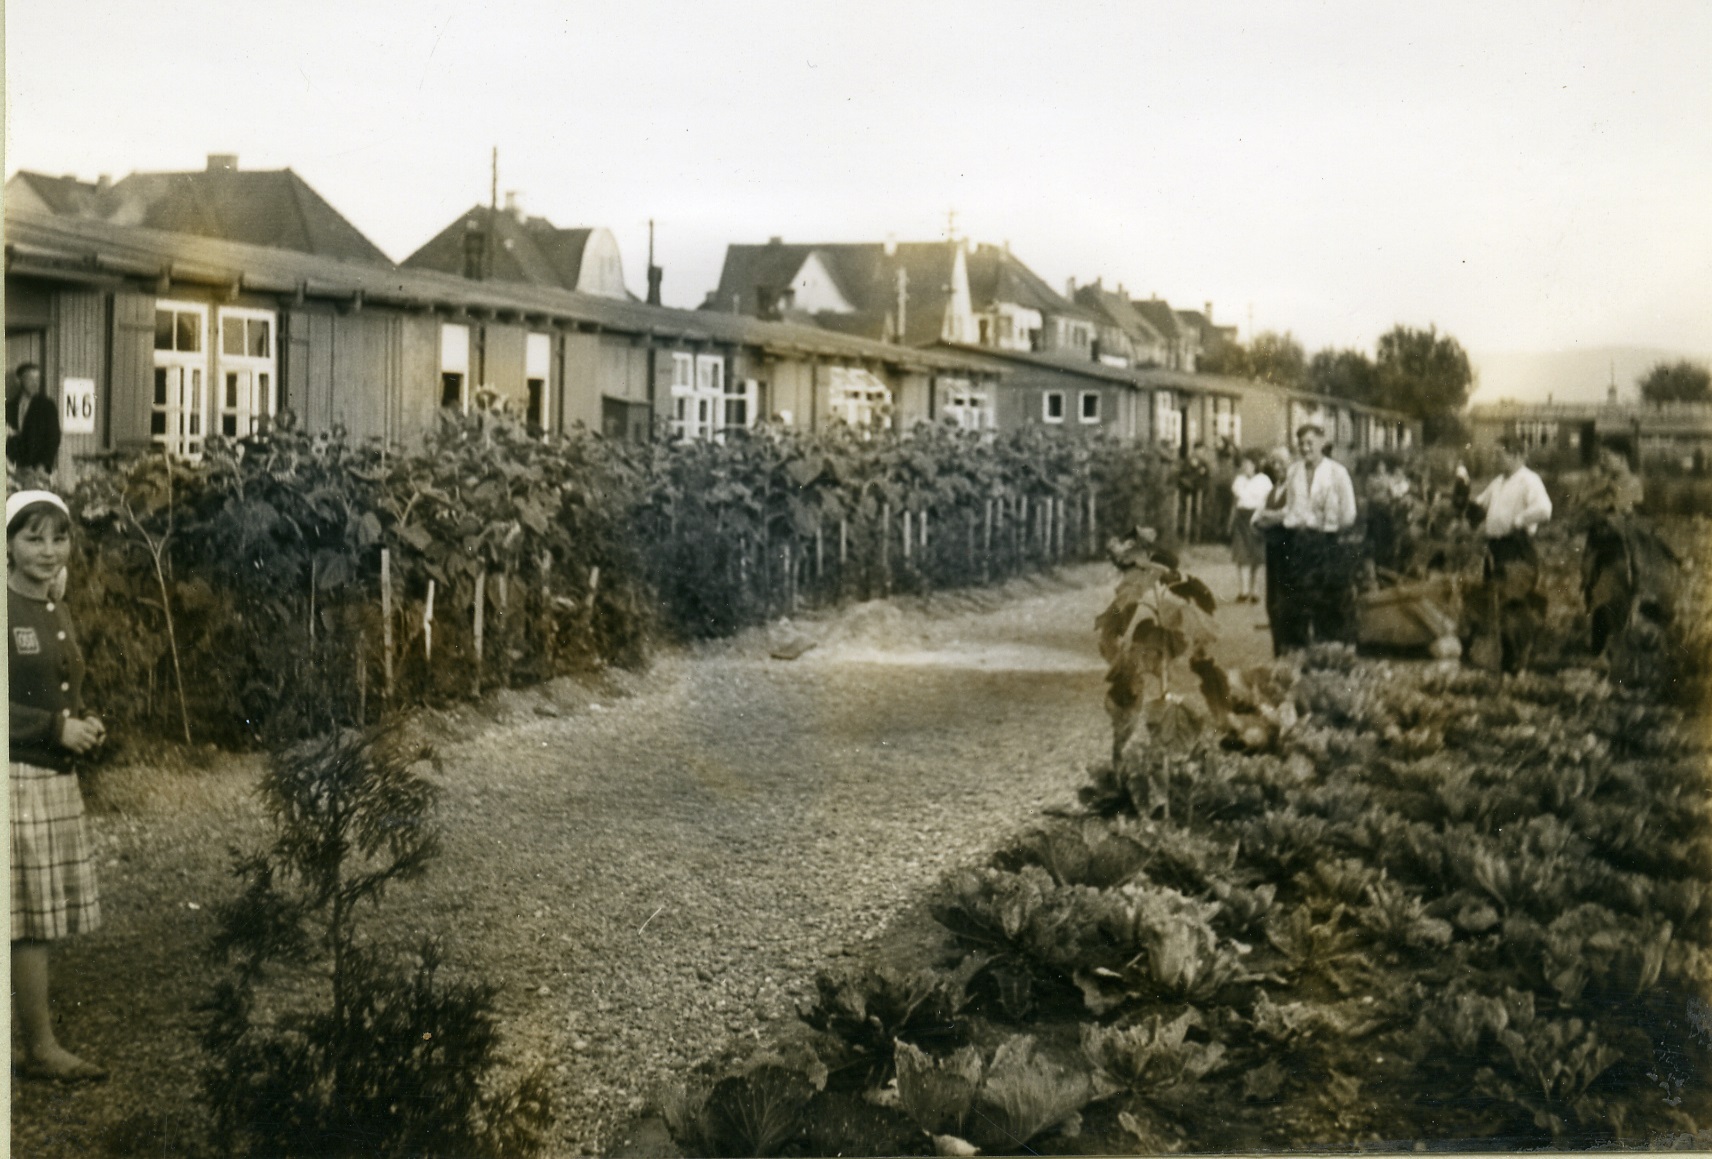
x=651 y=867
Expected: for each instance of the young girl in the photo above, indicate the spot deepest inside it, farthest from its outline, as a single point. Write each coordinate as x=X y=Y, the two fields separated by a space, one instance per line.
x=53 y=871
x=1249 y=492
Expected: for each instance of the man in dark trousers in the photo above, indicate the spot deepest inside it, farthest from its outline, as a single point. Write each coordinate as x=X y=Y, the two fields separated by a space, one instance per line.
x=1313 y=587
x=32 y=424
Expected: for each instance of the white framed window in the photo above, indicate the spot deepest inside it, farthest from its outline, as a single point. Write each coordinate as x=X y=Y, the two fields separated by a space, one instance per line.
x=537 y=370
x=245 y=359
x=455 y=366
x=1088 y=406
x=740 y=404
x=860 y=398
x=970 y=409
x=698 y=395
x=1226 y=422
x=1052 y=406
x=1167 y=419
x=178 y=410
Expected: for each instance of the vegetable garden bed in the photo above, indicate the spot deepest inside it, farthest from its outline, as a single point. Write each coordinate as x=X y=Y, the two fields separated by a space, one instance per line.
x=1436 y=907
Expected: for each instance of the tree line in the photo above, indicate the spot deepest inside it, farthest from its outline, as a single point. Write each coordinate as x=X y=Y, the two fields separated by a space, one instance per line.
x=1421 y=373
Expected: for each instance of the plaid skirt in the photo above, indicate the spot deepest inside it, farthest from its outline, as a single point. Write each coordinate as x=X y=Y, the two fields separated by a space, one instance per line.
x=53 y=862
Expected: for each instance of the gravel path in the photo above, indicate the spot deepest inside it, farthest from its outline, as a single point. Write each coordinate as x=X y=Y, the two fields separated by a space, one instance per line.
x=651 y=869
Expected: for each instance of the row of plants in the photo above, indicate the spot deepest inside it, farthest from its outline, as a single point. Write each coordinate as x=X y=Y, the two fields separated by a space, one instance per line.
x=288 y=583
x=1327 y=901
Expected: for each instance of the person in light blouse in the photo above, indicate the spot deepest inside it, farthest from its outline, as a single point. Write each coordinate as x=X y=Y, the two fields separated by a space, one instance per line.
x=1315 y=588
x=1515 y=506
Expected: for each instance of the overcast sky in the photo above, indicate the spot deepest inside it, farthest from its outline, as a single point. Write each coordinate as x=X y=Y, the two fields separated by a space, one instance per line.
x=1524 y=176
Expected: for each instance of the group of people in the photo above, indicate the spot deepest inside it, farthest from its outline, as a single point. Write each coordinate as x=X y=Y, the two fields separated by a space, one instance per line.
x=1297 y=519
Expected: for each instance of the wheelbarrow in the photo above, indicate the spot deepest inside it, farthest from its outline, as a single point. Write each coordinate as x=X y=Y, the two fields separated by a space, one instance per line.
x=1410 y=614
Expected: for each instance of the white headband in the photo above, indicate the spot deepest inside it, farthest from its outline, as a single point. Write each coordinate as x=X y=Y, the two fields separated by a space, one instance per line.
x=17 y=501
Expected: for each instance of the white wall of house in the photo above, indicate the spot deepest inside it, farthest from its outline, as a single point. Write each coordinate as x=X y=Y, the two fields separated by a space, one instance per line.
x=814 y=290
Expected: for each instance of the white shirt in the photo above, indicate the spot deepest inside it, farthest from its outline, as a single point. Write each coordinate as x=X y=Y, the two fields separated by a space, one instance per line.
x=1516 y=502
x=1250 y=491
x=1327 y=503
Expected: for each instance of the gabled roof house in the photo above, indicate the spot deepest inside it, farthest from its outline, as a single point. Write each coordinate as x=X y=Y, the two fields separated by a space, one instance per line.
x=265 y=207
x=503 y=245
x=914 y=293
x=1126 y=338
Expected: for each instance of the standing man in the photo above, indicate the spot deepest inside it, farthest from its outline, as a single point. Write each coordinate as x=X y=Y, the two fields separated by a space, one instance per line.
x=1515 y=505
x=32 y=424
x=1314 y=596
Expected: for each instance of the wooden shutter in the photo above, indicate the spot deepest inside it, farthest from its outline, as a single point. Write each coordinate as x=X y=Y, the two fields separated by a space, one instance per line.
x=131 y=385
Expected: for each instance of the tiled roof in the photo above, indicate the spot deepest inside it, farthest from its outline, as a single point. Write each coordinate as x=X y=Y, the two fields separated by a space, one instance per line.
x=1117 y=309
x=47 y=246
x=275 y=208
x=995 y=275
x=529 y=250
x=1160 y=316
x=65 y=195
x=865 y=274
x=1082 y=368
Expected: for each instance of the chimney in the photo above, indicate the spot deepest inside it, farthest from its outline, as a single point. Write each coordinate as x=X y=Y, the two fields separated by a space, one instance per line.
x=218 y=162
x=655 y=273
x=103 y=183
x=891 y=246
x=1209 y=313
x=1070 y=288
x=513 y=206
x=776 y=240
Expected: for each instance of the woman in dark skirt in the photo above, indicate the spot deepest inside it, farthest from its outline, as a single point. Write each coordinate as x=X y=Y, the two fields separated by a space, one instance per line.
x=1249 y=492
x=53 y=869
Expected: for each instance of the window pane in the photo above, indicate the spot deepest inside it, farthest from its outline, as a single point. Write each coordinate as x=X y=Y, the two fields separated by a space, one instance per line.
x=189 y=333
x=264 y=402
x=261 y=338
x=157 y=423
x=160 y=385
x=231 y=335
x=229 y=426
x=231 y=391
x=163 y=329
x=194 y=427
x=451 y=390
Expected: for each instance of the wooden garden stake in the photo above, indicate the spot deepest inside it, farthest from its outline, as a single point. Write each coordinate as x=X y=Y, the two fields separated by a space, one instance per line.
x=886 y=546
x=1093 y=523
x=843 y=544
x=790 y=581
x=428 y=626
x=909 y=538
x=386 y=621
x=481 y=609
x=547 y=607
x=819 y=552
x=594 y=587
x=987 y=541
x=362 y=677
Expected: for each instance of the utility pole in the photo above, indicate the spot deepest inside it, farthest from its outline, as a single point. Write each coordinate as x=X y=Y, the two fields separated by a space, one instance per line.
x=903 y=301
x=654 y=272
x=492 y=217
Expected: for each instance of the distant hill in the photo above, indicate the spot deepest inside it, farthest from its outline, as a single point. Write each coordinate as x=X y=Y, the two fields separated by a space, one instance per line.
x=1566 y=375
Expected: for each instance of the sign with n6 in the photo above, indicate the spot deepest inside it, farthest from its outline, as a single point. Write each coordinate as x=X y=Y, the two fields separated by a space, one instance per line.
x=77 y=406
